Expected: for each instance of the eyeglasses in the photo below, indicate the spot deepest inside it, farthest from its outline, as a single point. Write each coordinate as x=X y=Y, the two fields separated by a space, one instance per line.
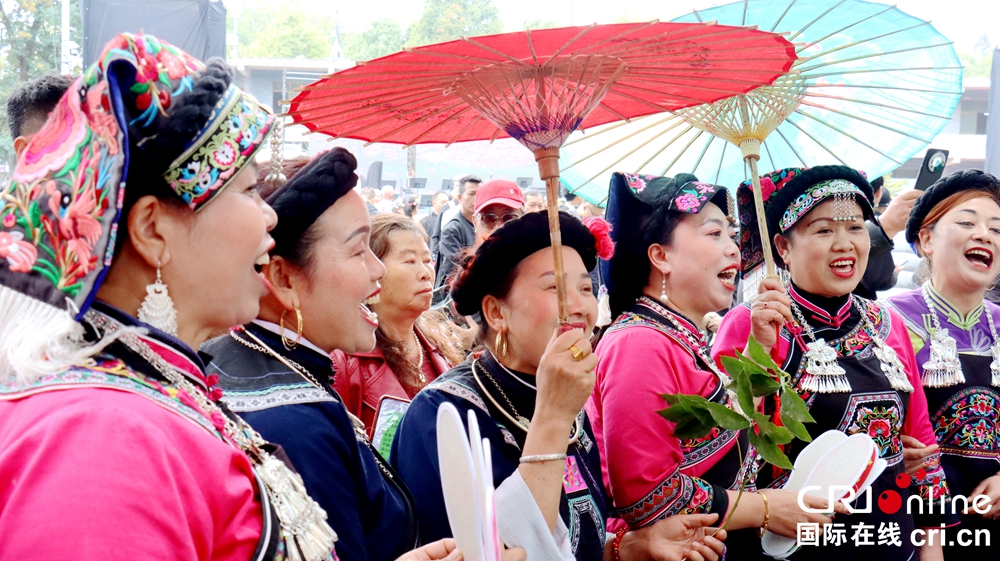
x=492 y=221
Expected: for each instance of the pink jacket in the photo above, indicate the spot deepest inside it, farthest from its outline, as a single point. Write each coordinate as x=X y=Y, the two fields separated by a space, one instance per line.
x=363 y=379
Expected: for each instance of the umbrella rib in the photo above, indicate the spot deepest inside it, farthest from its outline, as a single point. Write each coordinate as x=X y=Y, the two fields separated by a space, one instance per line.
x=902 y=88
x=821 y=145
x=792 y=147
x=659 y=108
x=610 y=109
x=411 y=97
x=881 y=70
x=404 y=126
x=614 y=126
x=877 y=104
x=531 y=47
x=865 y=120
x=658 y=92
x=698 y=16
x=745 y=5
x=456 y=57
x=497 y=134
x=640 y=48
x=802 y=71
x=366 y=115
x=862 y=41
x=783 y=14
x=627 y=137
x=489 y=49
x=819 y=17
x=622 y=50
x=768 y=150
x=666 y=145
x=722 y=158
x=711 y=139
x=467 y=127
x=442 y=123
x=843 y=29
x=619 y=160
x=847 y=134
x=566 y=45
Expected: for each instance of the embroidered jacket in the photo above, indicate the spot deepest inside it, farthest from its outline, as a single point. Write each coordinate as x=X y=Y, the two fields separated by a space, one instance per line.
x=368 y=507
x=110 y=461
x=651 y=474
x=872 y=406
x=966 y=416
x=414 y=452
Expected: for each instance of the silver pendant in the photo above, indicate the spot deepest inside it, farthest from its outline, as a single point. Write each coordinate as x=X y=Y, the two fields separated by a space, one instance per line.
x=822 y=372
x=303 y=521
x=942 y=369
x=892 y=367
x=157 y=308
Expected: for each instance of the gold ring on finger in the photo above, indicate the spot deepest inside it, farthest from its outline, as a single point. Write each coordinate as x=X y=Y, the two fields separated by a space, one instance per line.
x=578 y=354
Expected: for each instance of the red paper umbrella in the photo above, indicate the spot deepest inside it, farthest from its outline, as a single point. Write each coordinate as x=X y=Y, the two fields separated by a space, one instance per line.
x=539 y=86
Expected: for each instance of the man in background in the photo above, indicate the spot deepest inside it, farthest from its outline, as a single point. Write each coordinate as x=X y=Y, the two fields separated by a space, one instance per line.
x=458 y=233
x=370 y=197
x=498 y=201
x=432 y=222
x=30 y=105
x=882 y=272
x=534 y=201
x=386 y=202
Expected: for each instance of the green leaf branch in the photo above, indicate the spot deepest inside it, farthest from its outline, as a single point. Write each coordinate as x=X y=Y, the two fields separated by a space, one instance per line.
x=753 y=374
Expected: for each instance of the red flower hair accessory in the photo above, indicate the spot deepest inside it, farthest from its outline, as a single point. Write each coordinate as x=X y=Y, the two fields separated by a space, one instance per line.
x=601 y=230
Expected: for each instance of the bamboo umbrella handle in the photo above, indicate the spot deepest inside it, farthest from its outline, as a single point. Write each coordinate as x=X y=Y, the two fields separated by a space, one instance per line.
x=758 y=201
x=548 y=171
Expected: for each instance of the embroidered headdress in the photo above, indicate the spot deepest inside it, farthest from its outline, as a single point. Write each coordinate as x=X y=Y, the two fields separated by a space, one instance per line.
x=638 y=209
x=789 y=194
x=115 y=129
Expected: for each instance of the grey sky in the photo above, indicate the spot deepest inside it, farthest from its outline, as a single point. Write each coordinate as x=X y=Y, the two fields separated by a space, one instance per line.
x=963 y=21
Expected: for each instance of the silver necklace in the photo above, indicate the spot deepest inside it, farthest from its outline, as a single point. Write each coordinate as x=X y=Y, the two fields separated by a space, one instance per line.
x=303 y=521
x=942 y=368
x=693 y=343
x=262 y=347
x=822 y=373
x=521 y=421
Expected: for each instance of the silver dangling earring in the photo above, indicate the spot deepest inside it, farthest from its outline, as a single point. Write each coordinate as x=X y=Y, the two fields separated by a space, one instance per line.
x=157 y=308
x=663 y=291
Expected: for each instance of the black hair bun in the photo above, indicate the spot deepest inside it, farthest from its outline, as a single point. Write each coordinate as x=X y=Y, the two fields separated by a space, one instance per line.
x=494 y=262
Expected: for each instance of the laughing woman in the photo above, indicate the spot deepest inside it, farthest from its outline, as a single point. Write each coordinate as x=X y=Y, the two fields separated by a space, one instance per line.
x=956 y=227
x=850 y=358
x=674 y=262
x=276 y=370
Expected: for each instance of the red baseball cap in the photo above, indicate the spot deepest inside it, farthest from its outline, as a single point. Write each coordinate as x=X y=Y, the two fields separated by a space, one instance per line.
x=499 y=191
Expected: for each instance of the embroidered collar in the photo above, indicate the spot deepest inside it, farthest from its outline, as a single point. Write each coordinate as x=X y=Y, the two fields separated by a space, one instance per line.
x=171 y=349
x=828 y=311
x=663 y=312
x=954 y=317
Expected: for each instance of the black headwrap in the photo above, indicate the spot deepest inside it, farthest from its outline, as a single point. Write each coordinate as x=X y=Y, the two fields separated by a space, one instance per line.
x=488 y=269
x=307 y=195
x=965 y=180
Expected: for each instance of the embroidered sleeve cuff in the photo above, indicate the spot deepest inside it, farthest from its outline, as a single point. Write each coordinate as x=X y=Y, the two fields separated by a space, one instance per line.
x=933 y=487
x=677 y=494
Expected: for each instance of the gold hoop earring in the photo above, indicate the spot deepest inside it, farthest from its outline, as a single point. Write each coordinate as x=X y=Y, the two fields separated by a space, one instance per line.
x=500 y=344
x=288 y=343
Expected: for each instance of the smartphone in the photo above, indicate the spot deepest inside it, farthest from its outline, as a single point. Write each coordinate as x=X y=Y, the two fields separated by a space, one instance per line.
x=931 y=168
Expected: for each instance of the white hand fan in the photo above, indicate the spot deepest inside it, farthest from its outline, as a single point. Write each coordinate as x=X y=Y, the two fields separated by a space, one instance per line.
x=458 y=483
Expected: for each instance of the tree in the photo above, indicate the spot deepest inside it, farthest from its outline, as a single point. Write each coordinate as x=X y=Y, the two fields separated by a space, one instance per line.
x=383 y=37
x=444 y=20
x=30 y=43
x=283 y=32
x=539 y=24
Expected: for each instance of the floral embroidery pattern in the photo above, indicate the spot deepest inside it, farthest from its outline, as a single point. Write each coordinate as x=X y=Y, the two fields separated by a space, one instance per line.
x=637 y=182
x=967 y=423
x=693 y=196
x=813 y=196
x=879 y=415
x=235 y=131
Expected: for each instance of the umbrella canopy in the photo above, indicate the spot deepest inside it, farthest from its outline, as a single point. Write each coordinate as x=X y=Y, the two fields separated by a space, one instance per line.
x=871 y=88
x=539 y=86
x=516 y=84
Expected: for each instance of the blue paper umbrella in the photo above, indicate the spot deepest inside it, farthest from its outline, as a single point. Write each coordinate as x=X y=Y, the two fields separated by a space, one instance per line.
x=871 y=88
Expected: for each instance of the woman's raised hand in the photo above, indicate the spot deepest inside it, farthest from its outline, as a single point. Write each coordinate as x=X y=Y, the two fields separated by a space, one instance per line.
x=769 y=311
x=565 y=376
